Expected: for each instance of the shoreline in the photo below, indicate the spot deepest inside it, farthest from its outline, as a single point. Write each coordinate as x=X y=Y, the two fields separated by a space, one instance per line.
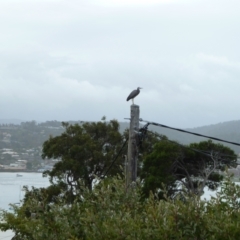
x=19 y=170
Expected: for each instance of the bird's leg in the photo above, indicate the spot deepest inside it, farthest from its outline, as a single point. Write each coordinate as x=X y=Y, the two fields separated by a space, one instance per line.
x=133 y=101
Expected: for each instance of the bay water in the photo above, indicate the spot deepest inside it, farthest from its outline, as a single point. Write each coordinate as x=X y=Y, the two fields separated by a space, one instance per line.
x=11 y=190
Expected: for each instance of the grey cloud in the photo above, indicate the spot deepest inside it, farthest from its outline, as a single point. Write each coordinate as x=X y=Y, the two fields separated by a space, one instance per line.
x=78 y=60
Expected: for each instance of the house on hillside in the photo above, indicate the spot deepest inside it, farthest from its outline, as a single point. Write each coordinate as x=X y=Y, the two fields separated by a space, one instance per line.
x=19 y=165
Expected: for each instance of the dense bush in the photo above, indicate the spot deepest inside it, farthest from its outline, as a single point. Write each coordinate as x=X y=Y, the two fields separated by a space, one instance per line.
x=109 y=212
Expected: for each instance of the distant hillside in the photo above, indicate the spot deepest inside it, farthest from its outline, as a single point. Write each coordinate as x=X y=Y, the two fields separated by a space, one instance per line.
x=11 y=121
x=229 y=131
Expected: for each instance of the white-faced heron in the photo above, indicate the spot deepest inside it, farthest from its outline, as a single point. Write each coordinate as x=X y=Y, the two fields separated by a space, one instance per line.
x=133 y=94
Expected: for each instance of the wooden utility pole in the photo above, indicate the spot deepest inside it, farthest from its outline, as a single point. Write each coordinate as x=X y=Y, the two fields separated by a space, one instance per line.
x=132 y=156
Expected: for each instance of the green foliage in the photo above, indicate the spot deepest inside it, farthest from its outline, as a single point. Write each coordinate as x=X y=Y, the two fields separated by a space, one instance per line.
x=171 y=164
x=109 y=212
x=218 y=157
x=85 y=151
x=157 y=167
x=226 y=154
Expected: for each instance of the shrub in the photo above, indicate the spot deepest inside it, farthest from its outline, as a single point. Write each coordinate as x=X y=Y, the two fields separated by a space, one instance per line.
x=109 y=212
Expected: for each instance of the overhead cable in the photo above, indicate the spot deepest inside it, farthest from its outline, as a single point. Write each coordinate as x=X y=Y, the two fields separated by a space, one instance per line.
x=206 y=153
x=145 y=128
x=193 y=149
x=185 y=131
x=115 y=159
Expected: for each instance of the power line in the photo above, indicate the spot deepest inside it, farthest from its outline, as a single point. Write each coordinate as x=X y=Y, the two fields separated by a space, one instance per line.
x=115 y=159
x=206 y=153
x=193 y=149
x=185 y=131
x=143 y=131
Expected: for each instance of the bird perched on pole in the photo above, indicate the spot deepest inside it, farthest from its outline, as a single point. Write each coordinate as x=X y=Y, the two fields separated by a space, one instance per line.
x=133 y=94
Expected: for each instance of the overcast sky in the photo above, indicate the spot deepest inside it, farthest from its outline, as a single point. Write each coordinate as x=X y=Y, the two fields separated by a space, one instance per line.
x=79 y=60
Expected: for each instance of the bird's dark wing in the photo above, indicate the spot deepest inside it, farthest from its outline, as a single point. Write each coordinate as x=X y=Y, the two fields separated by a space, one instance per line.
x=131 y=95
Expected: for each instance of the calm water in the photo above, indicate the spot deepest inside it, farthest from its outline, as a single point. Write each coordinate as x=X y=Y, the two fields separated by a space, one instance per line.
x=11 y=190
x=11 y=186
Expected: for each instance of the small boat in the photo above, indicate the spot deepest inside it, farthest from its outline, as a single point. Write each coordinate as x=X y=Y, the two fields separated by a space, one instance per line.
x=19 y=175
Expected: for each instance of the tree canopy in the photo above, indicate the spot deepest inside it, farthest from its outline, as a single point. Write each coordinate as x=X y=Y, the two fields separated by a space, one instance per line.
x=193 y=167
x=84 y=153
